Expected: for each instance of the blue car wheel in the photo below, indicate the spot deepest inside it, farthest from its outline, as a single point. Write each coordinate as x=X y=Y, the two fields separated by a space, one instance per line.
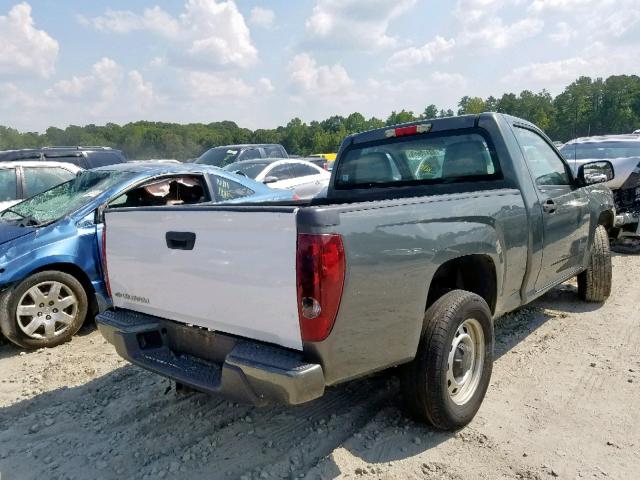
x=44 y=310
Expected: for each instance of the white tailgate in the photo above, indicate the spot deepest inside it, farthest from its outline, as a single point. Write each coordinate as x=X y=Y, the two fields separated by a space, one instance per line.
x=240 y=277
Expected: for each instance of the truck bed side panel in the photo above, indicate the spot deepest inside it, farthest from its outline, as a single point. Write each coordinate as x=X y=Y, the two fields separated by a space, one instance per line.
x=393 y=249
x=239 y=278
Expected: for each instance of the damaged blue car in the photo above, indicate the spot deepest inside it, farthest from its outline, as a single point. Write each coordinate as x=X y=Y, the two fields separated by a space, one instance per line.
x=51 y=276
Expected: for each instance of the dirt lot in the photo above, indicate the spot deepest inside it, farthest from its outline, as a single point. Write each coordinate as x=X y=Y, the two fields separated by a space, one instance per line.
x=564 y=402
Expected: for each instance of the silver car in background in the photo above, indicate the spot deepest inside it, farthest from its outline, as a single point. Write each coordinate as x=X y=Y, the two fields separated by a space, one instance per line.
x=26 y=178
x=623 y=151
x=304 y=178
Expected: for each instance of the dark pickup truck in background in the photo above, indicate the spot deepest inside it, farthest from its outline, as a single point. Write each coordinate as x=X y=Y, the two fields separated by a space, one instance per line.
x=427 y=233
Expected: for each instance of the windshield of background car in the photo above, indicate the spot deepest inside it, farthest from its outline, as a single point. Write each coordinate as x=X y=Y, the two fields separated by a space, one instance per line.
x=248 y=169
x=418 y=159
x=66 y=198
x=218 y=157
x=601 y=150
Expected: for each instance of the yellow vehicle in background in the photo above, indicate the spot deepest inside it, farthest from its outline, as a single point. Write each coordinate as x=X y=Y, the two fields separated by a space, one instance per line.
x=329 y=157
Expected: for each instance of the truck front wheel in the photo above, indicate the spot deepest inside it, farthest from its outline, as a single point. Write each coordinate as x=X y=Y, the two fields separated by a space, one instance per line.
x=446 y=382
x=594 y=284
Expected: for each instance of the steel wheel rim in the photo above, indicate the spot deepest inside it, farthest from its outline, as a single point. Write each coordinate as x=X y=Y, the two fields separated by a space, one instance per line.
x=47 y=310
x=465 y=362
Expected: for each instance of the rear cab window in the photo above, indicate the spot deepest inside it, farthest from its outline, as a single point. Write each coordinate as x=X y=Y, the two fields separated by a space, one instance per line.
x=421 y=159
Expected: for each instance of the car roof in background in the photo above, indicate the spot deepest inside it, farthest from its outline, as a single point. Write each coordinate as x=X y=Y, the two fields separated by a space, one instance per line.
x=40 y=164
x=247 y=145
x=154 y=167
x=605 y=138
x=261 y=161
x=27 y=153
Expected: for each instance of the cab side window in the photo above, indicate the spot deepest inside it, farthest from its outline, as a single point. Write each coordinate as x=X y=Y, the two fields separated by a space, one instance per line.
x=545 y=165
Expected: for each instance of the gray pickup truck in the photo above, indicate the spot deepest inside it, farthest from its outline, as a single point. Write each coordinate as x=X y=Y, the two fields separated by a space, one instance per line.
x=428 y=232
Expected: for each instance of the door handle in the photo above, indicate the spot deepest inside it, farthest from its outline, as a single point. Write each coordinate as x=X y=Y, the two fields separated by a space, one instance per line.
x=549 y=206
x=180 y=240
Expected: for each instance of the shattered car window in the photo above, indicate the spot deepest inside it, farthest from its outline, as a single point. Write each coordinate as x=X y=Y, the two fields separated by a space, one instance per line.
x=187 y=190
x=64 y=199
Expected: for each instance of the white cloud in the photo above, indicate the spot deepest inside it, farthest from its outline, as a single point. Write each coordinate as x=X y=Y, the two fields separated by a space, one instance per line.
x=208 y=33
x=564 y=5
x=453 y=81
x=495 y=34
x=592 y=18
x=124 y=21
x=472 y=11
x=262 y=17
x=596 y=61
x=428 y=53
x=106 y=85
x=12 y=96
x=265 y=85
x=564 y=34
x=359 y=24
x=23 y=48
x=223 y=86
x=157 y=62
x=310 y=78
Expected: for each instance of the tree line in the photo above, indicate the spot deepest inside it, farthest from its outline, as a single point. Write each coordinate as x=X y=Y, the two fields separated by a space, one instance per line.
x=585 y=107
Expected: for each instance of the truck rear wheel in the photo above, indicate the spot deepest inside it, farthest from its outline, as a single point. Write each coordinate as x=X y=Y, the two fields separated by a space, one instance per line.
x=594 y=284
x=446 y=382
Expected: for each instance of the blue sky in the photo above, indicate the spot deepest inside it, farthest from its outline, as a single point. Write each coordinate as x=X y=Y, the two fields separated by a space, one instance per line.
x=261 y=63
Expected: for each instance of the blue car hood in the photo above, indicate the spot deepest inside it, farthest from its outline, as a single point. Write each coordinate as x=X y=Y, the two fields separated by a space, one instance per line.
x=10 y=232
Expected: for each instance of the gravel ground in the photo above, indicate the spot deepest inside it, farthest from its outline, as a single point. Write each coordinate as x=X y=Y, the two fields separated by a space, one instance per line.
x=563 y=403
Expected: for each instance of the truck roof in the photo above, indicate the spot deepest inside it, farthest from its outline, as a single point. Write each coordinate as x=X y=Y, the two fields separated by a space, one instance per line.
x=433 y=125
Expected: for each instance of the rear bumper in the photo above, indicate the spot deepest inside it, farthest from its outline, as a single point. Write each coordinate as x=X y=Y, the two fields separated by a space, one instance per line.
x=240 y=369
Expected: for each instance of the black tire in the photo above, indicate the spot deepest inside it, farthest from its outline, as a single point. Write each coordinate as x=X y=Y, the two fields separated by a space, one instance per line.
x=594 y=284
x=424 y=383
x=11 y=298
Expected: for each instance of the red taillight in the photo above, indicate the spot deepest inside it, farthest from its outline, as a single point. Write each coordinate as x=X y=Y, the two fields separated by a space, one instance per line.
x=408 y=130
x=320 y=266
x=105 y=272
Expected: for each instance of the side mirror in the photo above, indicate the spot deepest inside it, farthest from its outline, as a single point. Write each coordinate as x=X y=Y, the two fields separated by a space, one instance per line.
x=596 y=172
x=270 y=179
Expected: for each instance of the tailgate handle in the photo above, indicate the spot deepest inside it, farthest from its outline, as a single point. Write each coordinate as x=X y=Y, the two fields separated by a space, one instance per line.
x=180 y=240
